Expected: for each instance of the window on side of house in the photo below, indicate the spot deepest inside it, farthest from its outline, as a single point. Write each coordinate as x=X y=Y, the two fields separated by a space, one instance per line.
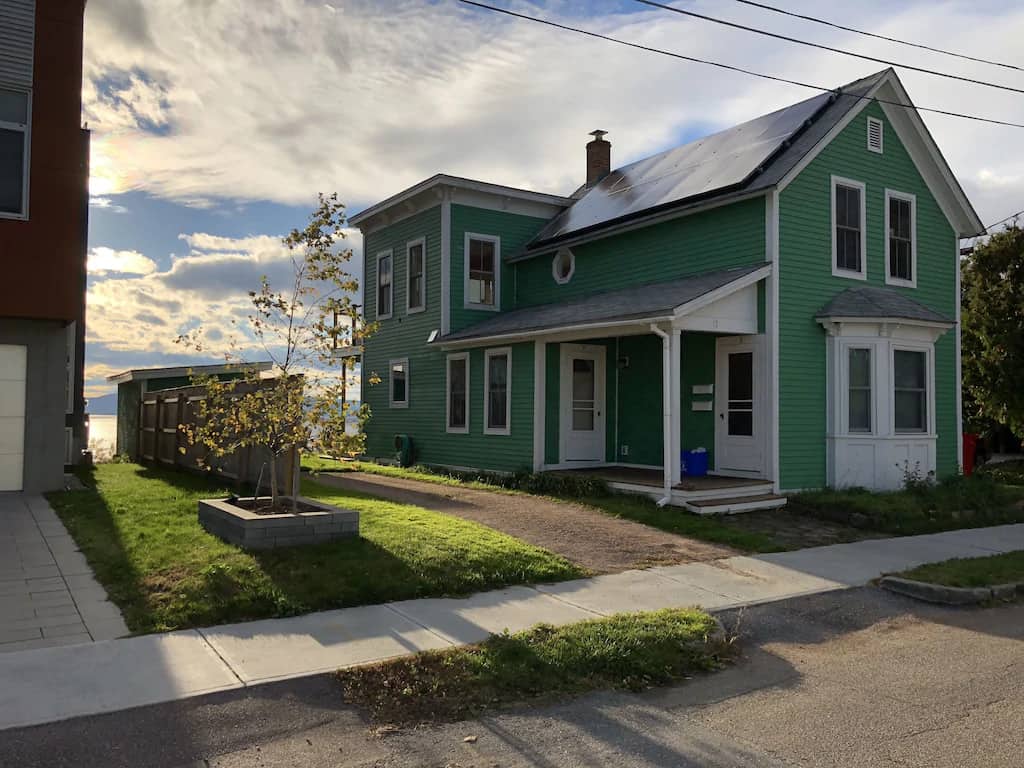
x=14 y=140
x=483 y=276
x=859 y=417
x=415 y=276
x=497 y=391
x=910 y=390
x=398 y=383
x=848 y=225
x=457 y=410
x=900 y=244
x=385 y=285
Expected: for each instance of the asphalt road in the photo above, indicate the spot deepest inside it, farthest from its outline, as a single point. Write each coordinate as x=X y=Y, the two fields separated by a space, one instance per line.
x=859 y=678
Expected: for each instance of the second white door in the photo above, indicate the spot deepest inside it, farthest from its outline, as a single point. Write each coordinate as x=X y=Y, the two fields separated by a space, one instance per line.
x=582 y=412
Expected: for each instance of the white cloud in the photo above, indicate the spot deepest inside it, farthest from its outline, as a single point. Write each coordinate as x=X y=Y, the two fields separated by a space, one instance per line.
x=206 y=288
x=279 y=100
x=103 y=260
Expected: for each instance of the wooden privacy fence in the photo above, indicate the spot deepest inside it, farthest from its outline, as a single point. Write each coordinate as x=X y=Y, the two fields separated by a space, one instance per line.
x=161 y=440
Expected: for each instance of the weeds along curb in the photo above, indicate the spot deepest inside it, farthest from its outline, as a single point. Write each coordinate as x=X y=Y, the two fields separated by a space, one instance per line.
x=943 y=595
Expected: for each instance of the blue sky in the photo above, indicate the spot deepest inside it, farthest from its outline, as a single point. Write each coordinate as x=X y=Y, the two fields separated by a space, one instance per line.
x=215 y=125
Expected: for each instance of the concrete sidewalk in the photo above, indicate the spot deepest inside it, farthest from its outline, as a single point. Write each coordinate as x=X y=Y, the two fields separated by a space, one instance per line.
x=51 y=684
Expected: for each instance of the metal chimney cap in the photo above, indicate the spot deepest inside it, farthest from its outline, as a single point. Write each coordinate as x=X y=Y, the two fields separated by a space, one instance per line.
x=598 y=135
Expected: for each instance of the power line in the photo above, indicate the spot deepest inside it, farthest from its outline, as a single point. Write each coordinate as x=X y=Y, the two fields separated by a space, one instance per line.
x=798 y=41
x=834 y=25
x=733 y=68
x=1011 y=216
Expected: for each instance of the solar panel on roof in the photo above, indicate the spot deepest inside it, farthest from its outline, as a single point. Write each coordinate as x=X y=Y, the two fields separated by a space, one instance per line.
x=719 y=161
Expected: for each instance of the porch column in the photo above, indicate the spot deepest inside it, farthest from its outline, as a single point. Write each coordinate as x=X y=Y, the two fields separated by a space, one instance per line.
x=666 y=409
x=675 y=379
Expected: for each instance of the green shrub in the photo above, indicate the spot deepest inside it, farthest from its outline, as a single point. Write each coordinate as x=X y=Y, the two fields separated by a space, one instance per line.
x=1008 y=472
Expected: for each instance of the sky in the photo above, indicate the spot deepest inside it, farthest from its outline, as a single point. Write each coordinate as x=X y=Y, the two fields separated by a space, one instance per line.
x=216 y=122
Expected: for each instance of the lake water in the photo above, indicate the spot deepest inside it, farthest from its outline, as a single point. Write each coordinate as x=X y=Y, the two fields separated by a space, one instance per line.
x=102 y=436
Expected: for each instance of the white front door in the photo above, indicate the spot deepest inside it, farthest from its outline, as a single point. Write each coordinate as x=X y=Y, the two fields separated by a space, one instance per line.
x=582 y=403
x=13 y=369
x=739 y=430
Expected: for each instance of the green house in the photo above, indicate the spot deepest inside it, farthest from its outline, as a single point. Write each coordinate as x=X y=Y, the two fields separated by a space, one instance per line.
x=782 y=294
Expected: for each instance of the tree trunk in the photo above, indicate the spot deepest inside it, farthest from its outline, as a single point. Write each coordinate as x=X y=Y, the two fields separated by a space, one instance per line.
x=273 y=481
x=293 y=479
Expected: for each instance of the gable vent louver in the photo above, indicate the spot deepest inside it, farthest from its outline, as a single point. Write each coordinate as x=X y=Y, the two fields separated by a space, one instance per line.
x=875 y=135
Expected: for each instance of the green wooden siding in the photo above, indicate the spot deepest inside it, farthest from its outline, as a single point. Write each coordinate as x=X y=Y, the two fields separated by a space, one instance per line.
x=806 y=284
x=698 y=427
x=719 y=238
x=515 y=231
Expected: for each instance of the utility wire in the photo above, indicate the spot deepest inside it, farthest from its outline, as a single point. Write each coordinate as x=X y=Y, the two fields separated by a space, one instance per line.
x=732 y=68
x=1011 y=216
x=834 y=25
x=798 y=41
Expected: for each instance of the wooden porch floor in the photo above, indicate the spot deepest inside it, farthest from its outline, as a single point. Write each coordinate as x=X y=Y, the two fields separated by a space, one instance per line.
x=655 y=478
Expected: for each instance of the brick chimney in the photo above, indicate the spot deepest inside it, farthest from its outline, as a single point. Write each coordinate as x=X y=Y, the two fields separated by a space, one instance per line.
x=599 y=158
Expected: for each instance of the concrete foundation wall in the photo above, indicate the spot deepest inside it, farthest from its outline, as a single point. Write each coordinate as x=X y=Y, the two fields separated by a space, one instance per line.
x=45 y=399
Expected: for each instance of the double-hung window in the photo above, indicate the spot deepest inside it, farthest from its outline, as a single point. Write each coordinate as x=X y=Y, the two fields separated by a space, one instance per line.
x=497 y=391
x=859 y=390
x=849 y=255
x=910 y=390
x=385 y=284
x=457 y=408
x=415 y=276
x=483 y=271
x=14 y=141
x=900 y=242
x=398 y=384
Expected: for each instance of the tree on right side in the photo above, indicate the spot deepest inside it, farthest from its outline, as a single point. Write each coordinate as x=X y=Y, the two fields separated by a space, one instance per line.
x=992 y=290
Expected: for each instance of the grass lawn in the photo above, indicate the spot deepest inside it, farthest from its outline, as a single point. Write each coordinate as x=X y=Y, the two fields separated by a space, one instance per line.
x=972 y=572
x=631 y=651
x=139 y=530
x=629 y=506
x=956 y=502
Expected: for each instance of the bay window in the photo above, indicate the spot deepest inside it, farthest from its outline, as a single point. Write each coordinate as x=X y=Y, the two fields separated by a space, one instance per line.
x=910 y=390
x=497 y=391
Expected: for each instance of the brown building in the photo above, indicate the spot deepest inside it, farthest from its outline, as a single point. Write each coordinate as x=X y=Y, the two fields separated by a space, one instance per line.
x=44 y=159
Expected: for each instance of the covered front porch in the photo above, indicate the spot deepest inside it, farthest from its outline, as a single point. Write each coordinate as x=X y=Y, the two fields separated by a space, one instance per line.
x=623 y=396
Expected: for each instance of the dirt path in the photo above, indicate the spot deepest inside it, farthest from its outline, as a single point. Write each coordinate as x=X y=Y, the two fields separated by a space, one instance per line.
x=598 y=542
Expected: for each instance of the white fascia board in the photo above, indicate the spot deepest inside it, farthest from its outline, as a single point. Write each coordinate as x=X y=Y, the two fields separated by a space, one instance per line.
x=631 y=327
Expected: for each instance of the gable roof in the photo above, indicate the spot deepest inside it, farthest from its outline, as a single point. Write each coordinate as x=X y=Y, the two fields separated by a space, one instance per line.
x=640 y=303
x=747 y=159
x=868 y=302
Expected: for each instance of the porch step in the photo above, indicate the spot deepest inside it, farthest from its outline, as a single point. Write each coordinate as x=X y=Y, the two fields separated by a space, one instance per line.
x=733 y=505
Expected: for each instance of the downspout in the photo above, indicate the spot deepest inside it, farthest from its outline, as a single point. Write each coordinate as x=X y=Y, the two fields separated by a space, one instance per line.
x=666 y=385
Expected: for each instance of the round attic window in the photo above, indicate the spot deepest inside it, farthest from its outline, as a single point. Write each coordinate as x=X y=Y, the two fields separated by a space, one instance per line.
x=563 y=266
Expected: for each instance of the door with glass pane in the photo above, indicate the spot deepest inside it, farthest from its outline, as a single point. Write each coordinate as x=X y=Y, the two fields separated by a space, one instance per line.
x=738 y=423
x=582 y=403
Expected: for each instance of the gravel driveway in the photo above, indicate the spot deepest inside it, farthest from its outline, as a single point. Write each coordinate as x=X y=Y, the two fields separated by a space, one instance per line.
x=588 y=537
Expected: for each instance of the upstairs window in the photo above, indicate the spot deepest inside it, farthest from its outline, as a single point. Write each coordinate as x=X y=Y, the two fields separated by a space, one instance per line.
x=497 y=400
x=415 y=276
x=910 y=390
x=385 y=291
x=483 y=276
x=14 y=134
x=848 y=229
x=900 y=245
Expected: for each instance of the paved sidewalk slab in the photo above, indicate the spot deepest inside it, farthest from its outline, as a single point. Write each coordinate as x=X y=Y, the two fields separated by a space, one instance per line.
x=56 y=683
x=274 y=649
x=628 y=591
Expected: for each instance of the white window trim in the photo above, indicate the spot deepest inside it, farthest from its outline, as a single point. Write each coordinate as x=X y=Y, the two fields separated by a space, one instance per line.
x=466 y=303
x=572 y=266
x=912 y=199
x=448 y=394
x=26 y=172
x=488 y=354
x=845 y=393
x=404 y=362
x=849 y=273
x=388 y=254
x=881 y=135
x=410 y=310
x=929 y=363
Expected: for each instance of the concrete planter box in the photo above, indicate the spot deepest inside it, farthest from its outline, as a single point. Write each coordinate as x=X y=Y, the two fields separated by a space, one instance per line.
x=313 y=524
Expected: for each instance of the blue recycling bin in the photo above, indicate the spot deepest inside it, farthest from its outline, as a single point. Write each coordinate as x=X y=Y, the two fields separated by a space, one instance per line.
x=695 y=463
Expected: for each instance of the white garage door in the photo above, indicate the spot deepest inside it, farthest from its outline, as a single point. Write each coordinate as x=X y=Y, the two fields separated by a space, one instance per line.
x=12 y=416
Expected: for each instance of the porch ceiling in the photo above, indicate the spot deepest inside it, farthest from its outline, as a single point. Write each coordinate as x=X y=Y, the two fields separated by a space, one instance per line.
x=637 y=305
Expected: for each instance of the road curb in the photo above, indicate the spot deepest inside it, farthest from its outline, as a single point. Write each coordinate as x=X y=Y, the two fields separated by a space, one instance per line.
x=943 y=595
